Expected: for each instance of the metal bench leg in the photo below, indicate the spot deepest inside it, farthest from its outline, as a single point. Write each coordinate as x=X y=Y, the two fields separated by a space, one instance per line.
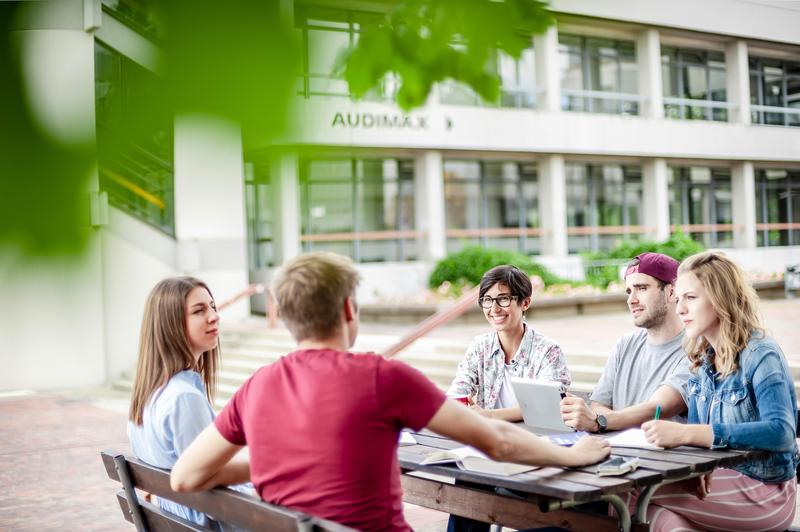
x=622 y=511
x=130 y=493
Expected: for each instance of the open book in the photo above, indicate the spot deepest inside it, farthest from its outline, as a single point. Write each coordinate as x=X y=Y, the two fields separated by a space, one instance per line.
x=471 y=459
x=633 y=438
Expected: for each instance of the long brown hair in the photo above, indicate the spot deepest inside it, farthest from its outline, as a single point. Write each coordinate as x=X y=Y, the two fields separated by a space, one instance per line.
x=735 y=303
x=163 y=346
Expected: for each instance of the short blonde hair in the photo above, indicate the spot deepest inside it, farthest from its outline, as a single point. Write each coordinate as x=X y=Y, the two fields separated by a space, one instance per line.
x=735 y=303
x=310 y=291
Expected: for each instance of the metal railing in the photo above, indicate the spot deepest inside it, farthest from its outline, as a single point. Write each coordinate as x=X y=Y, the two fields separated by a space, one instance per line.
x=137 y=181
x=440 y=318
x=251 y=290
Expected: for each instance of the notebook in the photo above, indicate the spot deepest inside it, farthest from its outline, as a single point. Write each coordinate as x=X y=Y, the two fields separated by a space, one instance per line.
x=471 y=459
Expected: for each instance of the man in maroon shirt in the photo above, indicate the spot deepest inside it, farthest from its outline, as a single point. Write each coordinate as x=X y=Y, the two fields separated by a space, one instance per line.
x=322 y=424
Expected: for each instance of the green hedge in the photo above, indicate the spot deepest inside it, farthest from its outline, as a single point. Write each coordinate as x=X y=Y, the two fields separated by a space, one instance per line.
x=468 y=266
x=678 y=246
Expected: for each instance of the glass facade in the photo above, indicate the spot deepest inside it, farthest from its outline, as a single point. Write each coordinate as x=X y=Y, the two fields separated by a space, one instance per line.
x=701 y=204
x=259 y=211
x=775 y=91
x=491 y=203
x=325 y=34
x=603 y=205
x=598 y=75
x=517 y=84
x=363 y=208
x=778 y=207
x=134 y=139
x=694 y=84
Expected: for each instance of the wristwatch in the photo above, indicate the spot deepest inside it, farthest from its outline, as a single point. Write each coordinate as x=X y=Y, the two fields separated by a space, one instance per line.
x=602 y=423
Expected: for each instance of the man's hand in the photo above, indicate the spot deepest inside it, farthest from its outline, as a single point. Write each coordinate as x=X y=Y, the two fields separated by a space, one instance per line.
x=577 y=414
x=664 y=433
x=589 y=450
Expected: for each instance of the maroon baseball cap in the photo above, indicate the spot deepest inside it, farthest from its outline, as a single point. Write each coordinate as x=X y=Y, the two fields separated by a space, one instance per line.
x=656 y=265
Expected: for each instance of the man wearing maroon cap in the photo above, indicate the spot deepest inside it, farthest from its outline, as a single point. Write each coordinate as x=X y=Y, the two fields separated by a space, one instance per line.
x=648 y=367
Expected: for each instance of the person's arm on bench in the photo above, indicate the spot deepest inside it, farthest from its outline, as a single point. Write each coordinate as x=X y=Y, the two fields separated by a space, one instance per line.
x=209 y=462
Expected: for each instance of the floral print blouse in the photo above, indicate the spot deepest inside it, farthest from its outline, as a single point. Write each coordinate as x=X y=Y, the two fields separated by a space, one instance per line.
x=480 y=374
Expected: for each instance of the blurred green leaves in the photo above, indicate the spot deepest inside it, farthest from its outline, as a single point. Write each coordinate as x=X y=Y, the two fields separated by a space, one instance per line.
x=43 y=194
x=234 y=60
x=423 y=42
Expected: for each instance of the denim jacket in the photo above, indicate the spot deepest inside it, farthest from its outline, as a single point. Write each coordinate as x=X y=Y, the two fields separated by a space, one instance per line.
x=753 y=408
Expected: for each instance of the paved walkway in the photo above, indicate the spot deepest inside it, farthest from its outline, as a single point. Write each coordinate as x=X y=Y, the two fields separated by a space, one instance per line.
x=52 y=477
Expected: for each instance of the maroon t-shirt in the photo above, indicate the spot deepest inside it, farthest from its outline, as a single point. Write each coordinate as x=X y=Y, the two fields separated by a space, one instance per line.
x=322 y=429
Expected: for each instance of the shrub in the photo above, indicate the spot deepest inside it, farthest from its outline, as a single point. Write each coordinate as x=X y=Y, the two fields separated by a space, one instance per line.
x=468 y=266
x=678 y=246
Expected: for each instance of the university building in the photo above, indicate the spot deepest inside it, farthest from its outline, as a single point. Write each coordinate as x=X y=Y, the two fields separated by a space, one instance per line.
x=626 y=120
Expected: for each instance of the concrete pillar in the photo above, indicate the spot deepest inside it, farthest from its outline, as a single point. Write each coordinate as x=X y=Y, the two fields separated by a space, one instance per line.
x=648 y=59
x=548 y=75
x=553 y=205
x=743 y=189
x=737 y=82
x=285 y=183
x=54 y=323
x=429 y=205
x=209 y=205
x=656 y=198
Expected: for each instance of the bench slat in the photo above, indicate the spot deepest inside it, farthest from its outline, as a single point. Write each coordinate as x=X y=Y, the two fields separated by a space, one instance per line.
x=223 y=503
x=157 y=519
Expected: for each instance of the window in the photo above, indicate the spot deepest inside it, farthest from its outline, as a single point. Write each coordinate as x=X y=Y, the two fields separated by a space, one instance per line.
x=778 y=207
x=134 y=139
x=491 y=203
x=603 y=205
x=598 y=75
x=701 y=204
x=517 y=84
x=363 y=208
x=259 y=210
x=325 y=34
x=775 y=92
x=694 y=84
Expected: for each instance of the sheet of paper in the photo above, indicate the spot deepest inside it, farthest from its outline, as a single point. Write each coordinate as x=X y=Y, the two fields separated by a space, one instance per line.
x=406 y=439
x=633 y=438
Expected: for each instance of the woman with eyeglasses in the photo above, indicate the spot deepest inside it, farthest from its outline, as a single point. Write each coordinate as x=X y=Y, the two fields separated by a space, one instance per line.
x=511 y=349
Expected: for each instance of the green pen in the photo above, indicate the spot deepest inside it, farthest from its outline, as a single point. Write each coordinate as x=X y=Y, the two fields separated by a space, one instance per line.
x=658 y=412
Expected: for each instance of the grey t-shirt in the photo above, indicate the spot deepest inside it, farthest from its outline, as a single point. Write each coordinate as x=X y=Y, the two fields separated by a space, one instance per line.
x=637 y=368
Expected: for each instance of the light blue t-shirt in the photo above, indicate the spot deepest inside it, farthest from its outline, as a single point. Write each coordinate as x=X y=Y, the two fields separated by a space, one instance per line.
x=172 y=418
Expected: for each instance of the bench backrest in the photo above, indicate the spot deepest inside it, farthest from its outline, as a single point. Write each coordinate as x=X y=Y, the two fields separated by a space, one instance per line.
x=224 y=504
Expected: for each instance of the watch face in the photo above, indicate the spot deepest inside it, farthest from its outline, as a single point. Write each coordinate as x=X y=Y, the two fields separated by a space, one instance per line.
x=601 y=421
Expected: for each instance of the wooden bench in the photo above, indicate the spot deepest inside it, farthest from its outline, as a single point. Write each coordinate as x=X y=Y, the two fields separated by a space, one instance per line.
x=226 y=505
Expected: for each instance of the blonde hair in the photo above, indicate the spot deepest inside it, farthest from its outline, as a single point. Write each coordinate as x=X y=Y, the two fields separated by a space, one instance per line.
x=164 y=349
x=735 y=304
x=310 y=291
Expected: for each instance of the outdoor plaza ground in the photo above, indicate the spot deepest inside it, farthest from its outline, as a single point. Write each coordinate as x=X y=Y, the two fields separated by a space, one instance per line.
x=50 y=442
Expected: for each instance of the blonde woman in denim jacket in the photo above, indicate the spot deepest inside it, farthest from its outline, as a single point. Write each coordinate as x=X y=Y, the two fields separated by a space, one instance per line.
x=741 y=396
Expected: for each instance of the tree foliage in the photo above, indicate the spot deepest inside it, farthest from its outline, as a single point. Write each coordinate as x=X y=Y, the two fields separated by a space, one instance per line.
x=422 y=42
x=678 y=246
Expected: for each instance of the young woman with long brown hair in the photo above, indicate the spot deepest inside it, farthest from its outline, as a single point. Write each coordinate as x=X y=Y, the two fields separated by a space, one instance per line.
x=175 y=376
x=741 y=396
